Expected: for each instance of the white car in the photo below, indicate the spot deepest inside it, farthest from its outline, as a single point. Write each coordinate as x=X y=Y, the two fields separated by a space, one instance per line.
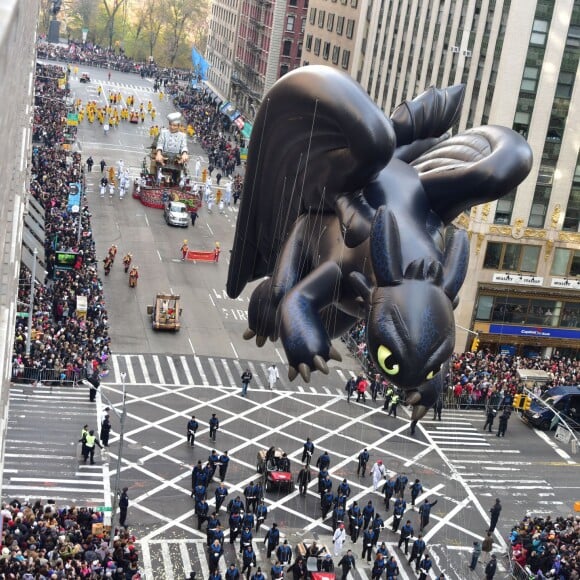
x=176 y=214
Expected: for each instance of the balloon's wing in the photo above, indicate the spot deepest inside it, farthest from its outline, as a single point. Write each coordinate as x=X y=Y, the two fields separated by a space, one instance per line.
x=317 y=136
x=473 y=167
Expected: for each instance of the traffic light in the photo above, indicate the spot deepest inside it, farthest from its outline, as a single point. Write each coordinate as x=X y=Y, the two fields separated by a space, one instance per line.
x=475 y=345
x=517 y=401
x=527 y=403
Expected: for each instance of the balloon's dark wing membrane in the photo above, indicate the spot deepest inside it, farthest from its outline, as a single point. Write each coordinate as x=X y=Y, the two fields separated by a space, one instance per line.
x=473 y=167
x=317 y=135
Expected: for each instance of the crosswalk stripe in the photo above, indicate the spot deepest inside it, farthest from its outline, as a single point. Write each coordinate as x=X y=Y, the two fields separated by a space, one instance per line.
x=213 y=367
x=116 y=371
x=158 y=369
x=146 y=559
x=144 y=369
x=265 y=370
x=256 y=376
x=201 y=372
x=228 y=372
x=188 y=375
x=129 y=367
x=326 y=390
x=185 y=557
x=202 y=560
x=166 y=560
x=173 y=370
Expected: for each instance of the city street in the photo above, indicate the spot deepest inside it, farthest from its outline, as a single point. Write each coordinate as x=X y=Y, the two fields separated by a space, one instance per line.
x=167 y=377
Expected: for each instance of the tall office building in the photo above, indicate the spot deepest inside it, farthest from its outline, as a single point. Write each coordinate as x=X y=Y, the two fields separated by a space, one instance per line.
x=252 y=43
x=519 y=62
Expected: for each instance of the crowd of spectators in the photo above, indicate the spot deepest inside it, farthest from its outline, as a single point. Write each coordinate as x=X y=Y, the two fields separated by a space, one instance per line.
x=45 y=542
x=547 y=548
x=89 y=54
x=63 y=342
x=476 y=379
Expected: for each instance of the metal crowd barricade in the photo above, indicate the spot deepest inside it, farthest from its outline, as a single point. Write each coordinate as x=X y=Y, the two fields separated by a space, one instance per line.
x=47 y=376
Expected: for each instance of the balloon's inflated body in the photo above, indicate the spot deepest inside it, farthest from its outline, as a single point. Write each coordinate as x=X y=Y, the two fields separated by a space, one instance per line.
x=347 y=213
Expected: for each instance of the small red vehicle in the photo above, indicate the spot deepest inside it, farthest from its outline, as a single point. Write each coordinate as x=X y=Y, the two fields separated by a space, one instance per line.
x=275 y=467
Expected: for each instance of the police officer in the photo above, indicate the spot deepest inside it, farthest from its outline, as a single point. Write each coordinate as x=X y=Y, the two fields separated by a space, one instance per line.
x=213 y=524
x=248 y=560
x=272 y=539
x=368 y=512
x=223 y=462
x=216 y=551
x=246 y=538
x=406 y=534
x=367 y=544
x=395 y=399
x=308 y=451
x=326 y=503
x=389 y=490
x=221 y=493
x=192 y=427
x=417 y=550
x=363 y=459
x=249 y=495
x=323 y=462
x=416 y=489
x=235 y=525
x=343 y=489
x=284 y=553
x=91 y=442
x=424 y=513
x=398 y=512
x=304 y=477
x=347 y=563
x=201 y=511
x=490 y=418
x=401 y=484
x=378 y=525
x=214 y=425
x=261 y=514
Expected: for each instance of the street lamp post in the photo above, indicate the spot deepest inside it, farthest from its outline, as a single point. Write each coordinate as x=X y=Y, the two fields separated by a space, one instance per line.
x=121 y=416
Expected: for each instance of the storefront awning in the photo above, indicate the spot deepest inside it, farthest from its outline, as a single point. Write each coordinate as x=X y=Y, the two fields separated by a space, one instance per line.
x=247 y=130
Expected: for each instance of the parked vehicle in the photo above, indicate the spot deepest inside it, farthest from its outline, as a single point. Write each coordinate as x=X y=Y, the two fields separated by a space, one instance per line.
x=565 y=399
x=85 y=78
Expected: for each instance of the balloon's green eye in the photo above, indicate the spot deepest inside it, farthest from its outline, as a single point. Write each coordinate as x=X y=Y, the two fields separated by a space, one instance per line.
x=387 y=361
x=433 y=373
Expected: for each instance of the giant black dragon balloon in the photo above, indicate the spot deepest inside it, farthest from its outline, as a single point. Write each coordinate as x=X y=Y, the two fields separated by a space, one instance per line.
x=348 y=213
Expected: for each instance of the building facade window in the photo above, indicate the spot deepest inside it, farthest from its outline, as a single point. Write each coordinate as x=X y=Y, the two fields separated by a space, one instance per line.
x=299 y=50
x=290 y=21
x=330 y=22
x=527 y=311
x=345 y=59
x=335 y=54
x=326 y=50
x=292 y=2
x=566 y=262
x=539 y=32
x=321 y=17
x=303 y=25
x=512 y=257
x=312 y=15
x=349 y=28
x=505 y=208
x=286 y=48
x=283 y=69
x=339 y=25
x=316 y=46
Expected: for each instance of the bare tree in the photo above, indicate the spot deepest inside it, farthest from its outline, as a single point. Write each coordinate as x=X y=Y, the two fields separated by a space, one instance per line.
x=179 y=15
x=112 y=7
x=153 y=22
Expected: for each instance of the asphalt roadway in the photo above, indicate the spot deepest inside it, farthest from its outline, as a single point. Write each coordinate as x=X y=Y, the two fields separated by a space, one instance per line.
x=170 y=376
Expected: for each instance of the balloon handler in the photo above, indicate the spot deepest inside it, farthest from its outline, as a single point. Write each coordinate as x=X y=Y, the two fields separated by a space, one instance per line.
x=127 y=261
x=170 y=150
x=133 y=276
